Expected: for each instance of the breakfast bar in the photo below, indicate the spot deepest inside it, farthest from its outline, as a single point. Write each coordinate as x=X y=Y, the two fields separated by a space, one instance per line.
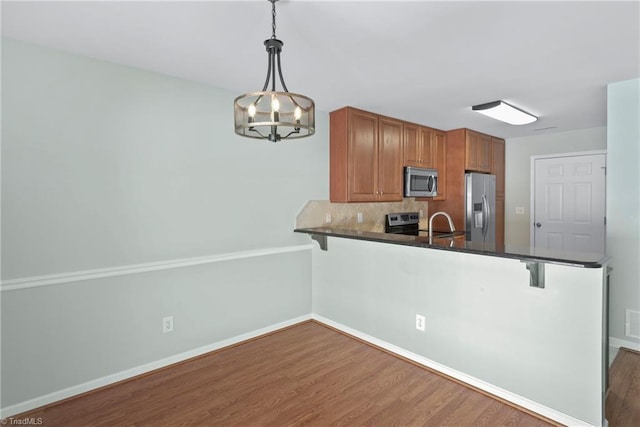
x=527 y=325
x=456 y=242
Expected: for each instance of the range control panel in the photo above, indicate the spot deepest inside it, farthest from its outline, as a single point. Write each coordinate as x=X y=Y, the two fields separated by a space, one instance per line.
x=403 y=218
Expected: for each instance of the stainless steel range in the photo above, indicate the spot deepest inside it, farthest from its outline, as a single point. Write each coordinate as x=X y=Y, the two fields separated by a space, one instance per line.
x=403 y=223
x=408 y=223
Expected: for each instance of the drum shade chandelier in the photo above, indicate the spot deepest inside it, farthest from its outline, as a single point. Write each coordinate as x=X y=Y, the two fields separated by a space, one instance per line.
x=271 y=114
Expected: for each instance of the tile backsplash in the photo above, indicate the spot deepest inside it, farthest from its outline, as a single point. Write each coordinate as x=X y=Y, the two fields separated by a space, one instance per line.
x=322 y=213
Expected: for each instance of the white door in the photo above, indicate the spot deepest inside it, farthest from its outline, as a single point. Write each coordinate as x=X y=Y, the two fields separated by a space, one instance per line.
x=569 y=203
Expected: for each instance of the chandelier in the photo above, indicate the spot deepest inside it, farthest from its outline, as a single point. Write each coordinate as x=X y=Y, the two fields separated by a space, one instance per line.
x=272 y=114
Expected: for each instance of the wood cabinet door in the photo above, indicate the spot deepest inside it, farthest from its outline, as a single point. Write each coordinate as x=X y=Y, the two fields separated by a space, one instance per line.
x=418 y=146
x=497 y=165
x=411 y=143
x=477 y=152
x=484 y=153
x=439 y=146
x=471 y=151
x=390 y=176
x=363 y=156
x=426 y=147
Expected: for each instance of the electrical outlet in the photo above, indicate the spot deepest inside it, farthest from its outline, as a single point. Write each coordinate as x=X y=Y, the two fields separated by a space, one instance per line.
x=420 y=322
x=167 y=324
x=327 y=218
x=359 y=217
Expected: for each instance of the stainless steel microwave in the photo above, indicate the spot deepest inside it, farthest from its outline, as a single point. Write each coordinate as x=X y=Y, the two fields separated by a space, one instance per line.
x=420 y=182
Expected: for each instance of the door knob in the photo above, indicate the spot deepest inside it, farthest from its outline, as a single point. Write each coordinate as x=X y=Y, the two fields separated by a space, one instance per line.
x=538 y=225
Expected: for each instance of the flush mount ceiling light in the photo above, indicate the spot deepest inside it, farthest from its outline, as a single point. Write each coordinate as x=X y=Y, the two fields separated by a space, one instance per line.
x=271 y=114
x=500 y=110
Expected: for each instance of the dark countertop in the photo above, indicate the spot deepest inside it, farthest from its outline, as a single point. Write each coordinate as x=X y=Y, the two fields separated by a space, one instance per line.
x=459 y=244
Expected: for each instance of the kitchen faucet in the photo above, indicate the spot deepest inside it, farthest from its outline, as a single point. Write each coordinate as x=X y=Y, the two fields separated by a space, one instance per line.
x=451 y=226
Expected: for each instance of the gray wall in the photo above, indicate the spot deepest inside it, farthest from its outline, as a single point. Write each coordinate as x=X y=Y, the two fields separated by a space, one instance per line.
x=108 y=166
x=105 y=165
x=623 y=203
x=483 y=319
x=518 y=152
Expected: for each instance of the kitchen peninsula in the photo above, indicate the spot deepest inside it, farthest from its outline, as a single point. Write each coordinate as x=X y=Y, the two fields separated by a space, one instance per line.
x=528 y=325
x=459 y=244
x=525 y=325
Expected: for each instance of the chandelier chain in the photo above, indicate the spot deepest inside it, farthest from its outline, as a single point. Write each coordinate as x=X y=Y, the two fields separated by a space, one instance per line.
x=273 y=16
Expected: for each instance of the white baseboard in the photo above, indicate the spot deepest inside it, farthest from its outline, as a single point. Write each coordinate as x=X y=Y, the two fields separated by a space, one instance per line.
x=617 y=343
x=475 y=382
x=130 y=373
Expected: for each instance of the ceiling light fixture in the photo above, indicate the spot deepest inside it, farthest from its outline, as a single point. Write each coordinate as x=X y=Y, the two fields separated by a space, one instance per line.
x=271 y=114
x=507 y=113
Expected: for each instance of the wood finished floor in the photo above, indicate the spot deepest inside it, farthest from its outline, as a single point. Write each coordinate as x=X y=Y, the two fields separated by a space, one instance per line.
x=307 y=374
x=623 y=398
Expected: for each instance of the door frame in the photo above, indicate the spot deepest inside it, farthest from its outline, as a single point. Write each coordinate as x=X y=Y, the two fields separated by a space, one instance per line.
x=532 y=184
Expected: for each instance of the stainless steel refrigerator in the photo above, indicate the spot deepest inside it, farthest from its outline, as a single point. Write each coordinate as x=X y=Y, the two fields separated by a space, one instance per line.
x=480 y=207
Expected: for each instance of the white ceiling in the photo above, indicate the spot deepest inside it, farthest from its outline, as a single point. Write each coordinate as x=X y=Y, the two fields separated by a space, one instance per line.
x=426 y=62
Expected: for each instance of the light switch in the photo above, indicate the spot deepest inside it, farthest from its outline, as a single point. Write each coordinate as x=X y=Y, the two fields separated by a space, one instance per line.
x=519 y=210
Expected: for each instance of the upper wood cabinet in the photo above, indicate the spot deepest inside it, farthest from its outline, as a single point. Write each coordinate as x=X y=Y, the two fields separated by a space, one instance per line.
x=418 y=146
x=439 y=149
x=458 y=148
x=390 y=176
x=497 y=169
x=477 y=152
x=497 y=165
x=365 y=157
x=411 y=150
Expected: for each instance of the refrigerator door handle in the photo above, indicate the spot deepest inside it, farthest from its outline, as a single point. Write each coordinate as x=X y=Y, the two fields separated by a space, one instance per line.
x=486 y=213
